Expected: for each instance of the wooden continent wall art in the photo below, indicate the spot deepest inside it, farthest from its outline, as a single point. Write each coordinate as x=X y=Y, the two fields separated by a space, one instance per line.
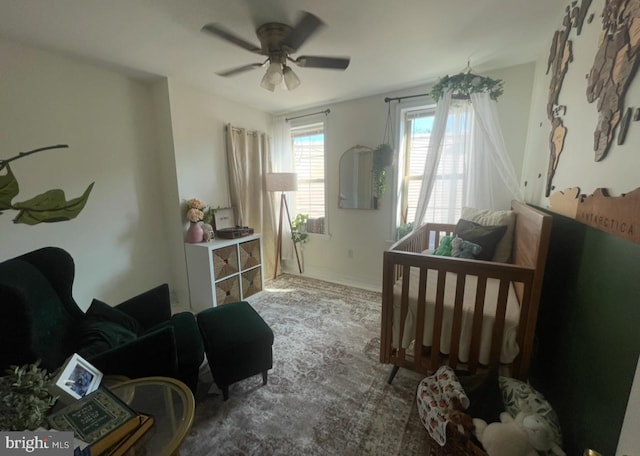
x=617 y=215
x=614 y=67
x=560 y=56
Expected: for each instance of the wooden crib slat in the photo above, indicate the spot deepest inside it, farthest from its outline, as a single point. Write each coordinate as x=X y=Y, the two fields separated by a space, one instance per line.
x=386 y=320
x=437 y=320
x=476 y=327
x=456 y=327
x=528 y=312
x=436 y=239
x=498 y=323
x=404 y=307
x=417 y=346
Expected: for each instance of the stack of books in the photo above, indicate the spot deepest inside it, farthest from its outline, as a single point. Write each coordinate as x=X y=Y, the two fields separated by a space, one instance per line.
x=102 y=424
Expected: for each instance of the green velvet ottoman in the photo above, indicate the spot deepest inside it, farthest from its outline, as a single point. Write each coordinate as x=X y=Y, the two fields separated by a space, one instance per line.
x=237 y=342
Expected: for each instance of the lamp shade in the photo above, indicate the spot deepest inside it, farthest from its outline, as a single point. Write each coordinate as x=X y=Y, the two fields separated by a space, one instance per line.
x=282 y=182
x=291 y=79
x=274 y=73
x=265 y=84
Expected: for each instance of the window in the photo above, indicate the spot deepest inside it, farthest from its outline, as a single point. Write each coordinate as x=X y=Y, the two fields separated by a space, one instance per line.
x=307 y=145
x=445 y=204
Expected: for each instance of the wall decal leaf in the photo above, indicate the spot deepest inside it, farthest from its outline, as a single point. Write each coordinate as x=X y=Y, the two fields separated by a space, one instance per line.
x=50 y=206
x=8 y=189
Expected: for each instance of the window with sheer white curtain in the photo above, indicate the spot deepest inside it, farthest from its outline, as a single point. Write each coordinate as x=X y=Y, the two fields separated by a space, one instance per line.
x=307 y=145
x=445 y=203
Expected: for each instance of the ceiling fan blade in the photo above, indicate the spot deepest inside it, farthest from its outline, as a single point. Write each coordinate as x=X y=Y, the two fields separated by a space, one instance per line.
x=314 y=61
x=238 y=70
x=306 y=26
x=221 y=32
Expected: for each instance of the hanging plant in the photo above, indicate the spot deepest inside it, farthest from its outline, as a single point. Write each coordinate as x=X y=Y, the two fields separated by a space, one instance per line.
x=382 y=158
x=467 y=83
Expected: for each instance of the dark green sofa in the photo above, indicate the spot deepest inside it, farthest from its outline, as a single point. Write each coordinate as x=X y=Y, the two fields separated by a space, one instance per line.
x=41 y=321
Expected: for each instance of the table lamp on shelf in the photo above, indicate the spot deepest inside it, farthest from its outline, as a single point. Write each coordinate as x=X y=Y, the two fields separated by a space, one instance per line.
x=283 y=182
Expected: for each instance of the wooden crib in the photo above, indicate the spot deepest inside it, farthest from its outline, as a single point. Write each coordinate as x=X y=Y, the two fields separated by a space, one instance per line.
x=405 y=289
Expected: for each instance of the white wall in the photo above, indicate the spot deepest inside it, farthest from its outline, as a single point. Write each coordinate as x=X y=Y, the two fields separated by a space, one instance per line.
x=107 y=121
x=367 y=233
x=619 y=170
x=198 y=133
x=170 y=216
x=148 y=146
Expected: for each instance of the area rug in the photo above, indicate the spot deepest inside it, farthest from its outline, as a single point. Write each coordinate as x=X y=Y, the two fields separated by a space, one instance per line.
x=327 y=393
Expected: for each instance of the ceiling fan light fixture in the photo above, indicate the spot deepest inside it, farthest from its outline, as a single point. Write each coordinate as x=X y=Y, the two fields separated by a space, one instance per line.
x=265 y=84
x=291 y=79
x=274 y=73
x=277 y=42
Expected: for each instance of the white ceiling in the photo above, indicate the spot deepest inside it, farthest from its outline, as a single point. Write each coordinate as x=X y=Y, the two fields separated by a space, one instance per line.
x=393 y=44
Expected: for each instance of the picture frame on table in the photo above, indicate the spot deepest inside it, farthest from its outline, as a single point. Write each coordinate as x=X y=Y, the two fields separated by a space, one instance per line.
x=77 y=378
x=224 y=218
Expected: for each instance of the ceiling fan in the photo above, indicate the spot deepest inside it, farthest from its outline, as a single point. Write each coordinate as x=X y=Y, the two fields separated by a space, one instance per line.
x=277 y=42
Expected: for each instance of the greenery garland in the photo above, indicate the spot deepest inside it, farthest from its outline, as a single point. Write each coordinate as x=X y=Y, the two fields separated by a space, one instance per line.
x=465 y=84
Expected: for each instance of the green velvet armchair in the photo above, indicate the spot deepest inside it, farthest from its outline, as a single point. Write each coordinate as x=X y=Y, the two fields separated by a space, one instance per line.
x=137 y=338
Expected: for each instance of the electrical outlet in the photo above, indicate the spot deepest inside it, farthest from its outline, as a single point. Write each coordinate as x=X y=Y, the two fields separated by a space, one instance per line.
x=349 y=253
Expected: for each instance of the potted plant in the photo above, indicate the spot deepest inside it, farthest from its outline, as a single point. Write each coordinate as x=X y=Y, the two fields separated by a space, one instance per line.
x=24 y=397
x=403 y=229
x=299 y=229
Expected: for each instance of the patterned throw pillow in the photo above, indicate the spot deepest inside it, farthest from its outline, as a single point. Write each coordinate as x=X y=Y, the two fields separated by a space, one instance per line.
x=486 y=237
x=519 y=396
x=487 y=217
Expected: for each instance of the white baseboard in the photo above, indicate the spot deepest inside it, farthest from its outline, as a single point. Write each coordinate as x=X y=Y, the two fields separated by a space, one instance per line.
x=329 y=276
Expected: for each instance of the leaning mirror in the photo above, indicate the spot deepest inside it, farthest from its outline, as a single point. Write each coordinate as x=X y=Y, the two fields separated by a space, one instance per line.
x=356 y=179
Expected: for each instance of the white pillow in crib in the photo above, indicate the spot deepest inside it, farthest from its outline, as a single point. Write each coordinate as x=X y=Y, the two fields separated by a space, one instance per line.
x=487 y=217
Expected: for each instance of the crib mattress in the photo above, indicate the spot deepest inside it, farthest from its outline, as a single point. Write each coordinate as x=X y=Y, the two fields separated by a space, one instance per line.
x=510 y=347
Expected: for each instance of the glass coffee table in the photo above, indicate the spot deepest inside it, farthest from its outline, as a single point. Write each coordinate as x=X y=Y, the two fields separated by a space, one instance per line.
x=172 y=405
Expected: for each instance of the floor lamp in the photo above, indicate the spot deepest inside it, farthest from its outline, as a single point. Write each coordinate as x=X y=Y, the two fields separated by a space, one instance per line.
x=283 y=182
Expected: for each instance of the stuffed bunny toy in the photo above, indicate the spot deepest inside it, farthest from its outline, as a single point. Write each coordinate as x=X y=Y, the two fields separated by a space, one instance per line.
x=523 y=436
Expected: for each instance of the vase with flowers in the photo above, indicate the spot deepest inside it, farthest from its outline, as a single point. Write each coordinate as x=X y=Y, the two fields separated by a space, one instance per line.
x=195 y=214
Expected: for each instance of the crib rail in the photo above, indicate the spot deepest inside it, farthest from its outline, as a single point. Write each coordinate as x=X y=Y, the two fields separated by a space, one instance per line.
x=397 y=264
x=427 y=237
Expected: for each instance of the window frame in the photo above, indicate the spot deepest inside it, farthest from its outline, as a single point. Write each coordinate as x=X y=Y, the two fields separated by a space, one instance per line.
x=299 y=124
x=406 y=178
x=401 y=187
x=403 y=162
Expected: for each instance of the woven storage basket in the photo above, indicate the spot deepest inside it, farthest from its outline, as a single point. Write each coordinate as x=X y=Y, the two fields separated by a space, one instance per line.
x=249 y=254
x=225 y=261
x=251 y=282
x=228 y=290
